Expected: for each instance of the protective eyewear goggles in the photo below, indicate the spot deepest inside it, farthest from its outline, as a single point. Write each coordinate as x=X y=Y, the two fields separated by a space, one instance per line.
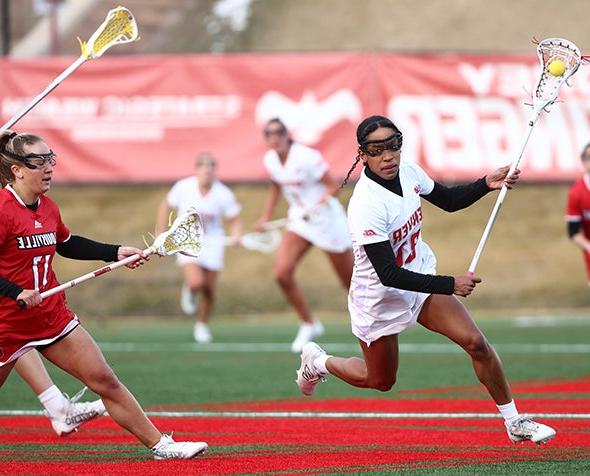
x=35 y=161
x=274 y=132
x=374 y=148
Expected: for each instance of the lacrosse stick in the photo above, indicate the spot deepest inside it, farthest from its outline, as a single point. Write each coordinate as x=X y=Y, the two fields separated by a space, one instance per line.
x=184 y=236
x=559 y=60
x=119 y=27
x=275 y=224
x=264 y=241
x=281 y=222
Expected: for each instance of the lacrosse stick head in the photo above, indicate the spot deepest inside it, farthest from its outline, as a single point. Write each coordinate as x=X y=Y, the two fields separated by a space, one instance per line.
x=264 y=241
x=550 y=51
x=184 y=236
x=119 y=27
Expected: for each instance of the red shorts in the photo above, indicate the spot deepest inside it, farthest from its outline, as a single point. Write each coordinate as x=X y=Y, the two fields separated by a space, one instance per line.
x=13 y=345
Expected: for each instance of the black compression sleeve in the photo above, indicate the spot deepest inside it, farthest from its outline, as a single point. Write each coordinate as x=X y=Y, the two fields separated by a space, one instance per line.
x=573 y=228
x=78 y=247
x=391 y=275
x=456 y=198
x=8 y=288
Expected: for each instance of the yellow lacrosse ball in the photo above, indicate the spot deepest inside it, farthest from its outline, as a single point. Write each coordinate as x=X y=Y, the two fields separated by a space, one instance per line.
x=556 y=67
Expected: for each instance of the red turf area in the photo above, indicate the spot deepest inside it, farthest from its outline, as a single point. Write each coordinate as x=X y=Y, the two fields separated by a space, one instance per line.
x=261 y=445
x=308 y=445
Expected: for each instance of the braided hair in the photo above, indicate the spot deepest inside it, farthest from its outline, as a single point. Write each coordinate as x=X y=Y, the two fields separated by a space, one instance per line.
x=366 y=127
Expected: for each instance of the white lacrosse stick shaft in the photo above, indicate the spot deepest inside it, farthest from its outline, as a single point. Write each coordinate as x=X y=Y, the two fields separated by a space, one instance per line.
x=88 y=53
x=37 y=99
x=545 y=94
x=501 y=195
x=281 y=222
x=159 y=246
x=91 y=275
x=274 y=224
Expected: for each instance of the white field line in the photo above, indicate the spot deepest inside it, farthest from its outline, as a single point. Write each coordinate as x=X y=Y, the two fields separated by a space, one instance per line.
x=245 y=347
x=367 y=415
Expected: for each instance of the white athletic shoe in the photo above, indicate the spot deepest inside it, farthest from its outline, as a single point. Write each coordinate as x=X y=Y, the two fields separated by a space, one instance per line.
x=77 y=413
x=307 y=375
x=201 y=333
x=188 y=301
x=306 y=333
x=525 y=428
x=167 y=448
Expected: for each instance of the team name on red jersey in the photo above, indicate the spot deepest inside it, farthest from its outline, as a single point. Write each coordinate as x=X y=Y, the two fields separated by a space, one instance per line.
x=36 y=241
x=399 y=234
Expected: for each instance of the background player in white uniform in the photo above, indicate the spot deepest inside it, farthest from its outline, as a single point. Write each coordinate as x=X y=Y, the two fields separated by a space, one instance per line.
x=315 y=216
x=394 y=284
x=214 y=202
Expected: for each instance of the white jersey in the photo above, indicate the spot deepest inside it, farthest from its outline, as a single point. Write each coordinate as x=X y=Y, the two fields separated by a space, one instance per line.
x=299 y=177
x=375 y=214
x=218 y=203
x=300 y=181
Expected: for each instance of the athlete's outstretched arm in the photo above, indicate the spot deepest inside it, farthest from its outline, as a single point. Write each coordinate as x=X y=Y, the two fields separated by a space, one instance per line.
x=390 y=274
x=458 y=197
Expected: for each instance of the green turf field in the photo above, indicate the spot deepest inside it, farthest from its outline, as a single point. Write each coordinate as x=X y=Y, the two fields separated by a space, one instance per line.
x=161 y=364
x=248 y=369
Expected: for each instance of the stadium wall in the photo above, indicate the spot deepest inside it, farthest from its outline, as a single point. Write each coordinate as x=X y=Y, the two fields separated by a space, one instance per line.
x=141 y=119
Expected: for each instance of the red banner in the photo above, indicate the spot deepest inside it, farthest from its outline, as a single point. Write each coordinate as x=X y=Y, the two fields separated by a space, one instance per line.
x=143 y=119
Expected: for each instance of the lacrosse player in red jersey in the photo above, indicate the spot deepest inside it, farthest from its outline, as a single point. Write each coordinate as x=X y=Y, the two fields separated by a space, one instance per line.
x=31 y=232
x=214 y=202
x=394 y=284
x=578 y=211
x=315 y=217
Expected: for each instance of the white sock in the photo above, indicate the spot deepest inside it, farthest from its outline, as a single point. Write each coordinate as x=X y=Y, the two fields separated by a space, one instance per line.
x=54 y=402
x=508 y=411
x=159 y=443
x=320 y=364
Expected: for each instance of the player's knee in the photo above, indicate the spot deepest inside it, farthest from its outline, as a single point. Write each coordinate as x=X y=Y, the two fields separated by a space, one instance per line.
x=383 y=383
x=477 y=345
x=195 y=287
x=104 y=381
x=284 y=276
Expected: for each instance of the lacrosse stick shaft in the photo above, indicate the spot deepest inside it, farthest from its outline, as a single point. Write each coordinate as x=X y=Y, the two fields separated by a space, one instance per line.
x=89 y=276
x=274 y=224
x=54 y=84
x=228 y=241
x=500 y=199
x=281 y=222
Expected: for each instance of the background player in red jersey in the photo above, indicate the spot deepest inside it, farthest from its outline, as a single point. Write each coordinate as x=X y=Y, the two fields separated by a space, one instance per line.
x=578 y=210
x=31 y=232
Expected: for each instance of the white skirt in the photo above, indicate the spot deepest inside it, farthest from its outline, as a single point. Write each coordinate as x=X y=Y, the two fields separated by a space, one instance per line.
x=211 y=256
x=371 y=328
x=326 y=228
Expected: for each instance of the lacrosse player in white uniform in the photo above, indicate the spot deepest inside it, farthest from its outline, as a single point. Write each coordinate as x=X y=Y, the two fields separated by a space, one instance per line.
x=315 y=217
x=214 y=202
x=394 y=283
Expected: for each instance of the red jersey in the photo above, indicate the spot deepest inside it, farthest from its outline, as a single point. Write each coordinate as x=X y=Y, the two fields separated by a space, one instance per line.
x=578 y=203
x=27 y=246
